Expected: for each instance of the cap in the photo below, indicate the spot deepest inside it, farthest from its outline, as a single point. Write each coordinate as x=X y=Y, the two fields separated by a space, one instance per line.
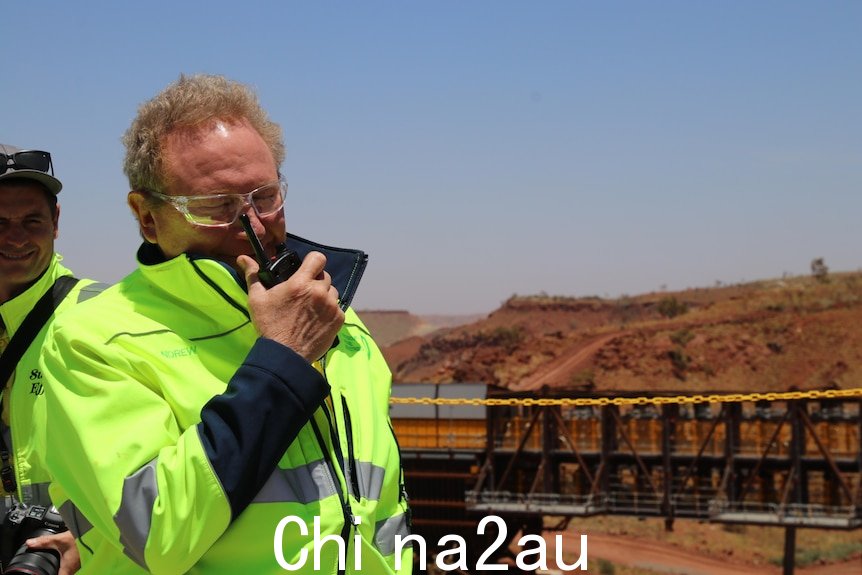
x=53 y=184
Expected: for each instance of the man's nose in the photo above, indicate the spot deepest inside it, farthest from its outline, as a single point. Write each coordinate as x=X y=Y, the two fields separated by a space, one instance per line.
x=16 y=235
x=253 y=218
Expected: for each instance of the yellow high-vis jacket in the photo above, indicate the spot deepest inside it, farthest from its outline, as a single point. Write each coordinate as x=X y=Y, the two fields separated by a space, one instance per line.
x=182 y=442
x=24 y=393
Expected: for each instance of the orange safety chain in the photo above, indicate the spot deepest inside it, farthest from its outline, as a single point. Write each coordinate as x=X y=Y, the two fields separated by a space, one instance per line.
x=578 y=401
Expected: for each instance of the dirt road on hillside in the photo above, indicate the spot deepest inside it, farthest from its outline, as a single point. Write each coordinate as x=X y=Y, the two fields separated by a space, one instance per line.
x=557 y=371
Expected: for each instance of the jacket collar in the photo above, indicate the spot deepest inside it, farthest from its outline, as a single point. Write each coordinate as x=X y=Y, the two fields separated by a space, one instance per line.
x=346 y=267
x=189 y=279
x=16 y=309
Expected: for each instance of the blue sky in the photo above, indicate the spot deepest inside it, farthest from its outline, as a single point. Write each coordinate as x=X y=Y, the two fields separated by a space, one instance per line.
x=485 y=148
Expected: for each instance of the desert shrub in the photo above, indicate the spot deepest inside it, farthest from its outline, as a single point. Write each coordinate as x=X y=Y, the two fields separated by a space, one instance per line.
x=626 y=309
x=584 y=378
x=839 y=552
x=507 y=337
x=670 y=307
x=820 y=270
x=680 y=361
x=681 y=337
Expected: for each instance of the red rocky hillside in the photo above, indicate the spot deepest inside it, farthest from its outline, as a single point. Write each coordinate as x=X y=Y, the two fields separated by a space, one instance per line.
x=792 y=334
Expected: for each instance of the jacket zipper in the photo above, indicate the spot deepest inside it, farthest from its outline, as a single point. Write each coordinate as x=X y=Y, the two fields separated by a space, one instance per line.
x=351 y=469
x=351 y=458
x=346 y=511
x=333 y=425
x=233 y=303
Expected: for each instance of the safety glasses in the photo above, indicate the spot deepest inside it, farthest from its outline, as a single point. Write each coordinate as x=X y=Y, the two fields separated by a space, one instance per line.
x=26 y=160
x=222 y=210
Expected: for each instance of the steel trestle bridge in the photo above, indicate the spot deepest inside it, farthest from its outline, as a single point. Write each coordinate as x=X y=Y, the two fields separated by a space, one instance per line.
x=789 y=459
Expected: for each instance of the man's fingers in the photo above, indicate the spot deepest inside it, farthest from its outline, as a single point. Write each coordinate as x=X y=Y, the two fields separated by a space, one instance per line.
x=312 y=265
x=247 y=264
x=249 y=269
x=41 y=543
x=333 y=293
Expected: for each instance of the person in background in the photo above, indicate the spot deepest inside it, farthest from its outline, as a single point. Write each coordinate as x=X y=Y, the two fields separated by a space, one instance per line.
x=221 y=423
x=30 y=271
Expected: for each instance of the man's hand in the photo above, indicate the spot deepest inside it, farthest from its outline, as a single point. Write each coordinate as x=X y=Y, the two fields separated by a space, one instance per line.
x=302 y=312
x=64 y=543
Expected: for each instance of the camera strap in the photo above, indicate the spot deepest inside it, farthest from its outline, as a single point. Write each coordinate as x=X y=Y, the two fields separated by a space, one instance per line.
x=30 y=327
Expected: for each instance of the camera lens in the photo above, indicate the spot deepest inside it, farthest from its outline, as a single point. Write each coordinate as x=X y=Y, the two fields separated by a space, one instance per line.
x=35 y=561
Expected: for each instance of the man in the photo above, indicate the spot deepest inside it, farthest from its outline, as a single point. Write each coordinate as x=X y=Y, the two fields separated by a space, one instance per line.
x=217 y=424
x=29 y=270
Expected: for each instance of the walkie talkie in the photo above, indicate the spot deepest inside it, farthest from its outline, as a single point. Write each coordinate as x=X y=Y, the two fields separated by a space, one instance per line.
x=273 y=272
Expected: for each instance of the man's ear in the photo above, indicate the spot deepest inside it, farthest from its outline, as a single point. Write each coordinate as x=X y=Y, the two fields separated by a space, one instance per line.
x=143 y=211
x=56 y=221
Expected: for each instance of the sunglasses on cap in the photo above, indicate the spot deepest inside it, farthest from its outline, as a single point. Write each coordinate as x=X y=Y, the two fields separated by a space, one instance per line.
x=26 y=160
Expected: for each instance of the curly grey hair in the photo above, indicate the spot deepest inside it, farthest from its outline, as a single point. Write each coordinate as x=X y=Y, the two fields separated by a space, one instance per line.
x=188 y=102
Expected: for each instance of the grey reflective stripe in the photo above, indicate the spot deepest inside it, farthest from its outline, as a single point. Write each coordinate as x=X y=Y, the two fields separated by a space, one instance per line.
x=75 y=520
x=370 y=478
x=305 y=484
x=386 y=530
x=36 y=494
x=135 y=514
x=91 y=290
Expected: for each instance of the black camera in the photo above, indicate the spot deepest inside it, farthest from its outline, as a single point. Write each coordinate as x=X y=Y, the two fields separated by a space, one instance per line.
x=23 y=522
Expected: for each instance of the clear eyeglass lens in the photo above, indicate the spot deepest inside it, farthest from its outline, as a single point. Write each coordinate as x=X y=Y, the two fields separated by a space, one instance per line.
x=268 y=199
x=225 y=208
x=214 y=210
